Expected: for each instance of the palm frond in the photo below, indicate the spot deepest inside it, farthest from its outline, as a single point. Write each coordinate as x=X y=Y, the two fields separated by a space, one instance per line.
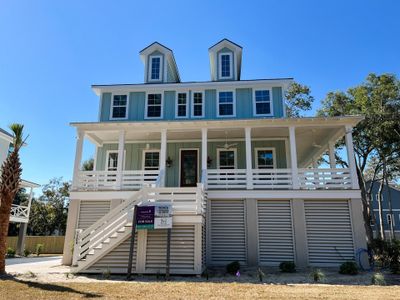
x=17 y=130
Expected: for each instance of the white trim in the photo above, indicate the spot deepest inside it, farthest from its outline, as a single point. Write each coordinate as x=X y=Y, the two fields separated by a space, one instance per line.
x=177 y=105
x=108 y=155
x=192 y=104
x=233 y=104
x=112 y=106
x=271 y=104
x=230 y=54
x=197 y=140
x=234 y=156
x=268 y=149
x=151 y=150
x=150 y=67
x=146 y=100
x=179 y=166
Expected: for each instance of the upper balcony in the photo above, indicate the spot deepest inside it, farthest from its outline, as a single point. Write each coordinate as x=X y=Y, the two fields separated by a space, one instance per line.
x=274 y=154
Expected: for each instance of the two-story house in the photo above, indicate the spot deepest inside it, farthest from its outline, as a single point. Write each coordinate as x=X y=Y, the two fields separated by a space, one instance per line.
x=239 y=173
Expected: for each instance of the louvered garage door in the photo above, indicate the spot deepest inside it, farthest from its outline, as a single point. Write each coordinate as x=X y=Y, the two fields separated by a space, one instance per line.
x=275 y=232
x=182 y=249
x=91 y=211
x=329 y=232
x=228 y=232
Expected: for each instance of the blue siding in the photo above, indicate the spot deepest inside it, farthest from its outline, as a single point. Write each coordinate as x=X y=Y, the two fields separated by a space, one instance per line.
x=244 y=105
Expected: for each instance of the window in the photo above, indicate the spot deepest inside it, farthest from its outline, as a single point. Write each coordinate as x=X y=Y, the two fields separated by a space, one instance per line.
x=265 y=158
x=262 y=103
x=225 y=65
x=151 y=160
x=226 y=158
x=112 y=160
x=226 y=104
x=181 y=105
x=154 y=106
x=390 y=219
x=155 y=68
x=119 y=107
x=197 y=104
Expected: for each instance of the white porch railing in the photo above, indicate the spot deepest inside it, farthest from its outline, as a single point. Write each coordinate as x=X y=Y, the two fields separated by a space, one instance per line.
x=19 y=213
x=226 y=179
x=311 y=179
x=108 y=180
x=272 y=178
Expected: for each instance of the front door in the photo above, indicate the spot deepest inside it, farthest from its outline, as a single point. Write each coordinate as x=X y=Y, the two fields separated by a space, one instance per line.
x=188 y=168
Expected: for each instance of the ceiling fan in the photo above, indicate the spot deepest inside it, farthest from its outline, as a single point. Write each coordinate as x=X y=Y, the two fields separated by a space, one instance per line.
x=227 y=146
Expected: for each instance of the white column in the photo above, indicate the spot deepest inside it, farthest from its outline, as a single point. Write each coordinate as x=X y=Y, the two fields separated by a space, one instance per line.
x=204 y=153
x=293 y=158
x=249 y=161
x=332 y=160
x=30 y=202
x=163 y=155
x=78 y=157
x=350 y=157
x=121 y=158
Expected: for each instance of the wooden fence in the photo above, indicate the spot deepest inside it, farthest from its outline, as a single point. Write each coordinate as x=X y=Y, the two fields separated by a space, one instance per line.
x=52 y=244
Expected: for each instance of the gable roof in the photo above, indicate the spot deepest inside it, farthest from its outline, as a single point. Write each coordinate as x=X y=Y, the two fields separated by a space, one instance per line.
x=227 y=41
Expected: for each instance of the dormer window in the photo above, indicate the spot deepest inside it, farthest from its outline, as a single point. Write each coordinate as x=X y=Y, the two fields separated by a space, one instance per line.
x=155 y=68
x=119 y=107
x=225 y=66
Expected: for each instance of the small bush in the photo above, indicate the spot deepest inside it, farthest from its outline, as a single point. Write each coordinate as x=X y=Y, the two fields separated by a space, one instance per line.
x=26 y=252
x=261 y=274
x=10 y=252
x=39 y=249
x=317 y=275
x=233 y=267
x=387 y=254
x=107 y=273
x=349 y=268
x=287 y=267
x=378 y=279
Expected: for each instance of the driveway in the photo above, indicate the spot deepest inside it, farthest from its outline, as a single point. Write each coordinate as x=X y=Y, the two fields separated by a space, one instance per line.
x=46 y=264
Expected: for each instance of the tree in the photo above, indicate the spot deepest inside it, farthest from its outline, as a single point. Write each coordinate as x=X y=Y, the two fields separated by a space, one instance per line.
x=9 y=182
x=376 y=137
x=298 y=99
x=49 y=212
x=88 y=165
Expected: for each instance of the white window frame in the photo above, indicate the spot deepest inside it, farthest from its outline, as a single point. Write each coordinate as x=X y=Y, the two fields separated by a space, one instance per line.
x=271 y=106
x=112 y=106
x=268 y=149
x=151 y=66
x=177 y=105
x=108 y=156
x=202 y=105
x=234 y=157
x=233 y=103
x=147 y=104
x=392 y=218
x=144 y=156
x=230 y=54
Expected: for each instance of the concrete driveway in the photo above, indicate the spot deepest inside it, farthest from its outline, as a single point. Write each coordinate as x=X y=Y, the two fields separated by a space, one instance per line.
x=44 y=264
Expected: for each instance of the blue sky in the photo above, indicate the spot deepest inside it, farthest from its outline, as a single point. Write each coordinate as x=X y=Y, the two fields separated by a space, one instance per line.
x=52 y=51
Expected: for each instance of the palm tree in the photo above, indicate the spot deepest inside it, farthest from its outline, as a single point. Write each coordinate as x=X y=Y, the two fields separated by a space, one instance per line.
x=9 y=182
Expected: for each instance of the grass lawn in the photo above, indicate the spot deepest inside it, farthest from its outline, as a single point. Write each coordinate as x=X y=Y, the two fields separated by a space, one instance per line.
x=17 y=289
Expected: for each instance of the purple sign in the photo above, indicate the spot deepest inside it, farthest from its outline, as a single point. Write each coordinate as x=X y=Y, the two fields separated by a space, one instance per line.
x=145 y=217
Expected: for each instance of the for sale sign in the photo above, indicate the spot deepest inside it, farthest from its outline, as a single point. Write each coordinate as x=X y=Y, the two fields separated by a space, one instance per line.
x=145 y=217
x=158 y=216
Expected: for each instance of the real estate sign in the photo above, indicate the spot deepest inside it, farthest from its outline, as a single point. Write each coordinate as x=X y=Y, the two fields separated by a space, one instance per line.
x=158 y=216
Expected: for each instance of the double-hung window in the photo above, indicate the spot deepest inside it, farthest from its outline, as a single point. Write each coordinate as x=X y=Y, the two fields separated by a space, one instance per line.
x=197 y=104
x=151 y=160
x=226 y=104
x=265 y=158
x=155 y=68
x=262 y=103
x=154 y=106
x=226 y=158
x=119 y=107
x=225 y=65
x=390 y=219
x=112 y=160
x=181 y=105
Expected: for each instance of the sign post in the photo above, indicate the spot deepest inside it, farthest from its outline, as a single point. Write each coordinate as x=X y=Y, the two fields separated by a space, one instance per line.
x=132 y=244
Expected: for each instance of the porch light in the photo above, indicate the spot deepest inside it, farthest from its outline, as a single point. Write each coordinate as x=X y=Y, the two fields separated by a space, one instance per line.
x=168 y=162
x=209 y=161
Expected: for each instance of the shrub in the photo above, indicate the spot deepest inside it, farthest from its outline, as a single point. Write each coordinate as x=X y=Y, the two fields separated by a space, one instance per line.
x=233 y=267
x=26 y=252
x=378 y=279
x=387 y=254
x=317 y=275
x=10 y=252
x=349 y=268
x=39 y=249
x=261 y=274
x=287 y=267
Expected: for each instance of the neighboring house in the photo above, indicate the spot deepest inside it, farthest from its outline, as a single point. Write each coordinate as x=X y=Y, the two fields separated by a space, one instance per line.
x=389 y=192
x=237 y=170
x=19 y=213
